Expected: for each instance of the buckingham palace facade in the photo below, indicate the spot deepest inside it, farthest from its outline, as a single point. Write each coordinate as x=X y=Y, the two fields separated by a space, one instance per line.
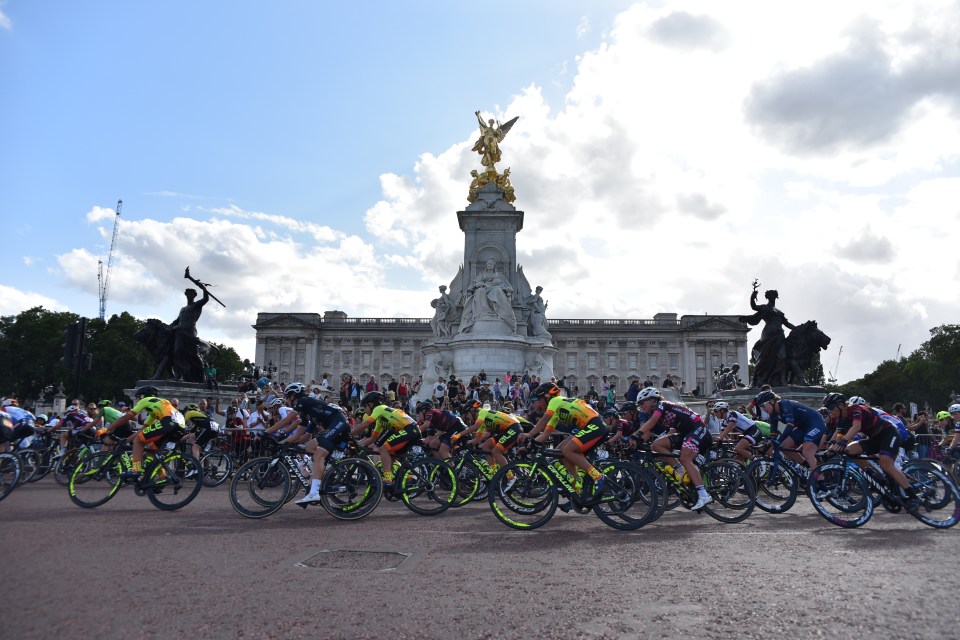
x=305 y=346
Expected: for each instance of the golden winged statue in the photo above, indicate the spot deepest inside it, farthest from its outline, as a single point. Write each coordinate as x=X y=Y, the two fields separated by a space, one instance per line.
x=488 y=144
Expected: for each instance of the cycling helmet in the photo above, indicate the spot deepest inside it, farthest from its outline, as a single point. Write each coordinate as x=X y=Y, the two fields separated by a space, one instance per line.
x=10 y=402
x=611 y=412
x=295 y=388
x=426 y=405
x=43 y=417
x=954 y=408
x=72 y=409
x=470 y=405
x=856 y=400
x=374 y=398
x=943 y=415
x=104 y=403
x=649 y=393
x=628 y=406
x=546 y=390
x=720 y=406
x=193 y=406
x=833 y=400
x=276 y=402
x=764 y=397
x=146 y=391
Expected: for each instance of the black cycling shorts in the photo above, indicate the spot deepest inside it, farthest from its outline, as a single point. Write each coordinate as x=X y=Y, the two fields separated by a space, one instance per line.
x=885 y=443
x=331 y=439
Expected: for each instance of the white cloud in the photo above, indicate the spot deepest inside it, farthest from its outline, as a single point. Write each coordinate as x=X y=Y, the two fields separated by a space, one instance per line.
x=96 y=214
x=4 y=20
x=13 y=301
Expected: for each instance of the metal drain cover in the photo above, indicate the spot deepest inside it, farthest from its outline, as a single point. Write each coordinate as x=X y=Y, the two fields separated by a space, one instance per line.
x=355 y=560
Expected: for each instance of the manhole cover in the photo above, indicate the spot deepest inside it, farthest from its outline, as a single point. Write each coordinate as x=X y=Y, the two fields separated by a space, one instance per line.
x=355 y=560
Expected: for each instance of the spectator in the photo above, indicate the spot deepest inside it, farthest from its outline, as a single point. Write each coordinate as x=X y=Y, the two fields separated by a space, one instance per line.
x=372 y=385
x=648 y=382
x=403 y=391
x=632 y=391
x=439 y=392
x=668 y=382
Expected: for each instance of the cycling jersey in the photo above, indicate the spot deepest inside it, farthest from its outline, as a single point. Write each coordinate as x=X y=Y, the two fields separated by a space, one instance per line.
x=495 y=421
x=568 y=413
x=442 y=422
x=676 y=417
x=870 y=421
x=163 y=420
x=389 y=419
x=743 y=424
x=76 y=421
x=317 y=413
x=799 y=419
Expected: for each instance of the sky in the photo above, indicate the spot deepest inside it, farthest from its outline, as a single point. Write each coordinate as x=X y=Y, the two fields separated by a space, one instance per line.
x=308 y=156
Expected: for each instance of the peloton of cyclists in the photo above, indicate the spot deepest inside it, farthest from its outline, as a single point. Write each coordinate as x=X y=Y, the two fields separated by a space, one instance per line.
x=439 y=428
x=161 y=425
x=736 y=421
x=393 y=430
x=804 y=427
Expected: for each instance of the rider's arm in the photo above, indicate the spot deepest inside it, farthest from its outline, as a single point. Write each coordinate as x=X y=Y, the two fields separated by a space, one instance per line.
x=282 y=424
x=726 y=430
x=361 y=426
x=648 y=426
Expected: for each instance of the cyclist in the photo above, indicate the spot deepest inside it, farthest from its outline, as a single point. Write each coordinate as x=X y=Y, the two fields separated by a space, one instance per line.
x=736 y=421
x=326 y=426
x=160 y=426
x=878 y=437
x=75 y=423
x=950 y=420
x=105 y=417
x=689 y=435
x=392 y=431
x=805 y=427
x=21 y=423
x=498 y=431
x=442 y=427
x=200 y=429
x=587 y=429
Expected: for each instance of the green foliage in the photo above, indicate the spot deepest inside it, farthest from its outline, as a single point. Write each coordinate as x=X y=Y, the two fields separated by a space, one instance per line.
x=226 y=360
x=30 y=350
x=927 y=376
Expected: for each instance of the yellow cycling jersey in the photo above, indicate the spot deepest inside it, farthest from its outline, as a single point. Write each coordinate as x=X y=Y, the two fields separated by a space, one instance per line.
x=495 y=421
x=563 y=411
x=388 y=418
x=156 y=408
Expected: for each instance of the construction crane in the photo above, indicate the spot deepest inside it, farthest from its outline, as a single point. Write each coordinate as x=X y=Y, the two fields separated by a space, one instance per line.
x=103 y=278
x=836 y=368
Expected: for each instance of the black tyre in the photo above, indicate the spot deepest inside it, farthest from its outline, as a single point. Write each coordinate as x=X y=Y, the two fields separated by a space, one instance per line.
x=95 y=480
x=9 y=473
x=351 y=489
x=776 y=487
x=427 y=486
x=939 y=500
x=66 y=464
x=525 y=501
x=29 y=463
x=259 y=487
x=733 y=496
x=177 y=481
x=468 y=483
x=40 y=468
x=629 y=496
x=217 y=467
x=840 y=494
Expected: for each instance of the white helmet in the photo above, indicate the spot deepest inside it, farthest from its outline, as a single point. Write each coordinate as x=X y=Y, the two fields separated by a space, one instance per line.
x=954 y=408
x=720 y=405
x=276 y=402
x=856 y=400
x=648 y=393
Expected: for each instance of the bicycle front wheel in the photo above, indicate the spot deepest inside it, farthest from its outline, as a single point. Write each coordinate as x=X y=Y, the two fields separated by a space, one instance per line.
x=939 y=500
x=840 y=494
x=176 y=479
x=630 y=496
x=427 y=486
x=216 y=466
x=259 y=487
x=29 y=463
x=731 y=490
x=95 y=480
x=351 y=489
x=775 y=486
x=522 y=496
x=9 y=473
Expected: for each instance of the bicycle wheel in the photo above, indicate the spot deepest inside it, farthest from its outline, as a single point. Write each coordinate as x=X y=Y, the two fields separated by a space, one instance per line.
x=39 y=468
x=66 y=464
x=630 y=498
x=259 y=487
x=177 y=481
x=427 y=486
x=351 y=488
x=29 y=462
x=95 y=480
x=9 y=473
x=468 y=483
x=47 y=462
x=840 y=494
x=217 y=466
x=939 y=499
x=526 y=501
x=731 y=490
x=775 y=486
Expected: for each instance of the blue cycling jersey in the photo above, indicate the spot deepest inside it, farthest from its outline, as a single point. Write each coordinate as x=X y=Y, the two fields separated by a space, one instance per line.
x=802 y=417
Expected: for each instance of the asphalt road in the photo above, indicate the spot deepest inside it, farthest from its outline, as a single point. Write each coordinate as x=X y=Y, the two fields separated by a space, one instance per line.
x=127 y=570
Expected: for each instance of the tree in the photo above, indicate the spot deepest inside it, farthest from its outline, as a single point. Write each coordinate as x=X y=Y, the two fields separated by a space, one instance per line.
x=30 y=350
x=118 y=360
x=226 y=360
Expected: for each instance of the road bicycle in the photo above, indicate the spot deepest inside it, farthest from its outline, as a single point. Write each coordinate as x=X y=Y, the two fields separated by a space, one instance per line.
x=349 y=490
x=170 y=478
x=525 y=494
x=426 y=485
x=777 y=479
x=841 y=489
x=725 y=480
x=9 y=473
